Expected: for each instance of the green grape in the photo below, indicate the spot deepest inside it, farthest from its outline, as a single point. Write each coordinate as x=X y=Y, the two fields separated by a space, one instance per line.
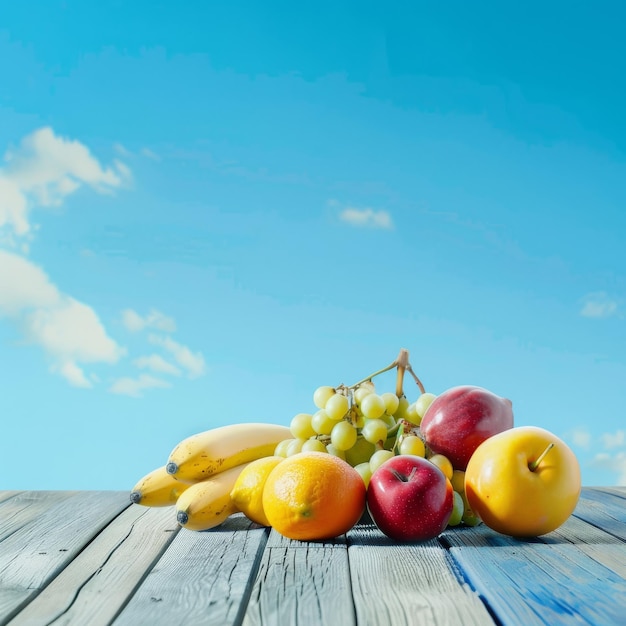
x=389 y=420
x=443 y=463
x=412 y=444
x=337 y=406
x=321 y=395
x=365 y=472
x=374 y=431
x=313 y=445
x=379 y=457
x=469 y=517
x=412 y=416
x=403 y=405
x=295 y=446
x=458 y=481
x=458 y=509
x=392 y=402
x=343 y=435
x=360 y=392
x=281 y=447
x=372 y=406
x=301 y=427
x=359 y=420
x=423 y=402
x=335 y=451
x=321 y=423
x=360 y=452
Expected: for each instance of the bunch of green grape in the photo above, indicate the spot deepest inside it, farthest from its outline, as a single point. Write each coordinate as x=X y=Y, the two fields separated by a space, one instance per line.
x=358 y=425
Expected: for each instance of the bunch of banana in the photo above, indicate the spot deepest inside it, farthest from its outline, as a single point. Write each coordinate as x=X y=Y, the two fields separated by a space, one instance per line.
x=202 y=469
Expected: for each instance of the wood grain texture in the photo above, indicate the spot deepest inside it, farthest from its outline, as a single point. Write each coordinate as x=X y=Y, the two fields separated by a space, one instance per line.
x=302 y=583
x=603 y=510
x=204 y=578
x=538 y=581
x=97 y=583
x=40 y=549
x=23 y=508
x=408 y=584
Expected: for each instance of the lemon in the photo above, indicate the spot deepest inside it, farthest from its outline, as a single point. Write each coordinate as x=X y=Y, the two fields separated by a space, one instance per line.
x=247 y=492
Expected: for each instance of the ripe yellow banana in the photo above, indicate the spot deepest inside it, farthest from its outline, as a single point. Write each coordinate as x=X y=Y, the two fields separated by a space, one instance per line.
x=208 y=503
x=213 y=451
x=158 y=488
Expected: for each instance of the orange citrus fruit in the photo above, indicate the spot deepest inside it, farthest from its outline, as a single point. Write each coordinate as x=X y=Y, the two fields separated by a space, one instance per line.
x=247 y=493
x=313 y=495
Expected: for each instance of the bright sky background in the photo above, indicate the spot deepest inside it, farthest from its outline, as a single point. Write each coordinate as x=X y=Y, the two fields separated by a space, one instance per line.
x=209 y=209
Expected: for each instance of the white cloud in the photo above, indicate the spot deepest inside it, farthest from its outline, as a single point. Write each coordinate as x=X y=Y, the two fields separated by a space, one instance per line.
x=598 y=305
x=43 y=170
x=135 y=386
x=614 y=463
x=156 y=363
x=23 y=285
x=580 y=437
x=366 y=218
x=69 y=331
x=613 y=440
x=155 y=319
x=193 y=363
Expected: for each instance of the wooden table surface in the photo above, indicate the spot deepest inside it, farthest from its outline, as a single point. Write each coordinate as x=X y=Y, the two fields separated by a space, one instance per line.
x=90 y=558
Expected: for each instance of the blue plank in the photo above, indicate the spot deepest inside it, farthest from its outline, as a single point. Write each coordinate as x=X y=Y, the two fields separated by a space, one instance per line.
x=535 y=581
x=603 y=510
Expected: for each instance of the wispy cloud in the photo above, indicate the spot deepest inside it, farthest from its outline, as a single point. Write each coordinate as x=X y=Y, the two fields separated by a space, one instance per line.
x=599 y=305
x=614 y=463
x=42 y=171
x=134 y=387
x=193 y=363
x=366 y=217
x=580 y=437
x=154 y=319
x=613 y=440
x=69 y=331
x=156 y=363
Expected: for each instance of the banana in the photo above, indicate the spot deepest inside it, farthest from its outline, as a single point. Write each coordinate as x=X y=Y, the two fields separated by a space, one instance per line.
x=208 y=503
x=213 y=451
x=158 y=488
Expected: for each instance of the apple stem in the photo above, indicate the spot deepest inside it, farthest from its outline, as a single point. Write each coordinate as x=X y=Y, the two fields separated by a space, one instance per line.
x=535 y=464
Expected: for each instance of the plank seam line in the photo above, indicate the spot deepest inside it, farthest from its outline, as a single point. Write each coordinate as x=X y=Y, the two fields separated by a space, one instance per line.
x=172 y=535
x=93 y=575
x=464 y=579
x=254 y=570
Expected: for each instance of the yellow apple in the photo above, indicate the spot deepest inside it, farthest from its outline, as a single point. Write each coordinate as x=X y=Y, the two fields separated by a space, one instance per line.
x=523 y=482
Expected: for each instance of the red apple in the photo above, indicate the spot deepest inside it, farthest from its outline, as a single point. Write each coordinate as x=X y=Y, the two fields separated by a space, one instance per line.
x=461 y=418
x=409 y=498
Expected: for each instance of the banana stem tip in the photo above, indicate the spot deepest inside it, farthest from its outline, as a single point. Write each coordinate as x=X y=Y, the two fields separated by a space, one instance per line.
x=171 y=468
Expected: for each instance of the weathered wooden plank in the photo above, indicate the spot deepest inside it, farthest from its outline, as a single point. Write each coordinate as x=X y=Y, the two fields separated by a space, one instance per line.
x=595 y=543
x=203 y=578
x=26 y=506
x=407 y=584
x=301 y=582
x=5 y=495
x=618 y=491
x=97 y=583
x=535 y=582
x=603 y=510
x=38 y=551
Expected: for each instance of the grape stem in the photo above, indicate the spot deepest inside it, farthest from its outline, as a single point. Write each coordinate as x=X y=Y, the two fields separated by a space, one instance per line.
x=403 y=365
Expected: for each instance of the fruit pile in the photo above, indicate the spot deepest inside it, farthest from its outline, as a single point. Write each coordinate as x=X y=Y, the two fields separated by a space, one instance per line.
x=419 y=468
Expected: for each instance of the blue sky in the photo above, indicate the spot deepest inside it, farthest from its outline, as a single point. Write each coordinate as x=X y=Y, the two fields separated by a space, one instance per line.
x=205 y=213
